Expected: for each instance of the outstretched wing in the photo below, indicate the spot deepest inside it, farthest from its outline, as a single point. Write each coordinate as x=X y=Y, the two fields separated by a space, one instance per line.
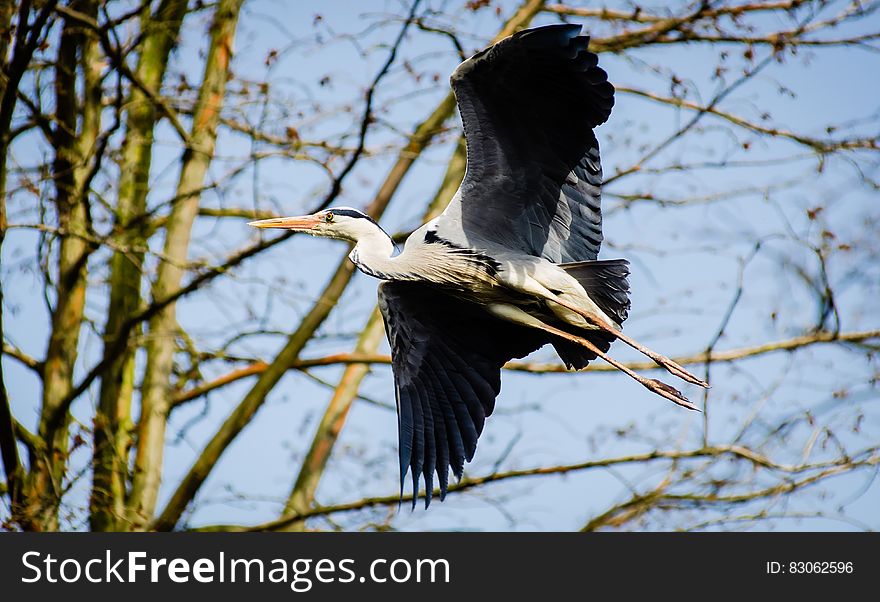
x=529 y=105
x=446 y=354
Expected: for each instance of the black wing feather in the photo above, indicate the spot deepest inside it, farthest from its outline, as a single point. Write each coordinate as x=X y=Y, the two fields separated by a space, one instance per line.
x=441 y=441
x=533 y=182
x=418 y=455
x=455 y=442
x=447 y=355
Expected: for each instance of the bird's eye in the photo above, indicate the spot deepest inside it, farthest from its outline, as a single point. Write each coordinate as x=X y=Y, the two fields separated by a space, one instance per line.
x=328 y=217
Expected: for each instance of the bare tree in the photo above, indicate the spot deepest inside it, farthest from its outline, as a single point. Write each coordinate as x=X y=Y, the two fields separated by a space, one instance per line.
x=125 y=188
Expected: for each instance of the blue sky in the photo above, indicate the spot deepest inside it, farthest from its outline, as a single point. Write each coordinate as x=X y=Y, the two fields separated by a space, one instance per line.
x=685 y=265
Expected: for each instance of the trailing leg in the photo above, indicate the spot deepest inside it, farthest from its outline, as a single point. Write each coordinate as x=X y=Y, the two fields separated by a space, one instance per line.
x=663 y=361
x=515 y=314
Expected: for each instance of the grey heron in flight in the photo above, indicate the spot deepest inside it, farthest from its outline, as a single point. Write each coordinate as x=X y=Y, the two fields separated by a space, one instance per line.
x=511 y=264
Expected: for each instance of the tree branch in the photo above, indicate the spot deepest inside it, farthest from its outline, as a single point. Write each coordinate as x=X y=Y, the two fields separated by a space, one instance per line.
x=818 y=145
x=729 y=355
x=23 y=358
x=867 y=457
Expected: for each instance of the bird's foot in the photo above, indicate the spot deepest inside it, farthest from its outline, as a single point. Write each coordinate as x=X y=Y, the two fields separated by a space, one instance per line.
x=669 y=392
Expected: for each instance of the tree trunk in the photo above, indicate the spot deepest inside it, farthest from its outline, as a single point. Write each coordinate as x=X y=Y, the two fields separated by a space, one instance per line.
x=156 y=393
x=74 y=143
x=112 y=425
x=12 y=468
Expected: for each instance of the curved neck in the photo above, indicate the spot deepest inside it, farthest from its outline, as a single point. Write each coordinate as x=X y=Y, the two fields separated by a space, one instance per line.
x=372 y=255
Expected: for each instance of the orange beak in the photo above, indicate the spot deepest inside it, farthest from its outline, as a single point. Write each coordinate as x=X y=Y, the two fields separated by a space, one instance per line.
x=300 y=224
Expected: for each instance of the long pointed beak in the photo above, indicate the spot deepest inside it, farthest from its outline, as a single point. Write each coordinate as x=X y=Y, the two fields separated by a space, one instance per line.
x=302 y=223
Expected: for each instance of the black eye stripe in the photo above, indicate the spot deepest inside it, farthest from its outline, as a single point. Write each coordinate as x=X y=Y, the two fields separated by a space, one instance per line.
x=351 y=213
x=357 y=214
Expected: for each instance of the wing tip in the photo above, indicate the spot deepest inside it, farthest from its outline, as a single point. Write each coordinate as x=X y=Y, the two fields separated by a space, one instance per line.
x=457 y=471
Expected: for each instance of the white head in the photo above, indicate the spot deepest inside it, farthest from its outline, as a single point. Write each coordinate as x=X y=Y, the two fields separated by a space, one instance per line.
x=343 y=223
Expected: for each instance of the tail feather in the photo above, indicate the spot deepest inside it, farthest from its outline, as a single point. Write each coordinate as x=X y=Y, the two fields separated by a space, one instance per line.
x=606 y=283
x=576 y=357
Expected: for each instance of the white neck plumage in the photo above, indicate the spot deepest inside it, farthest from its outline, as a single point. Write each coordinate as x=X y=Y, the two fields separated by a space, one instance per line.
x=440 y=263
x=373 y=253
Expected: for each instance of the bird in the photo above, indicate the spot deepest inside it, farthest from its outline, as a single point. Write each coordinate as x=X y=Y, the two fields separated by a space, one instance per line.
x=512 y=264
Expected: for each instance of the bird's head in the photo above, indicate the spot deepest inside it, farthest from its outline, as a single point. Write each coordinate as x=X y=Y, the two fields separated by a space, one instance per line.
x=343 y=223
